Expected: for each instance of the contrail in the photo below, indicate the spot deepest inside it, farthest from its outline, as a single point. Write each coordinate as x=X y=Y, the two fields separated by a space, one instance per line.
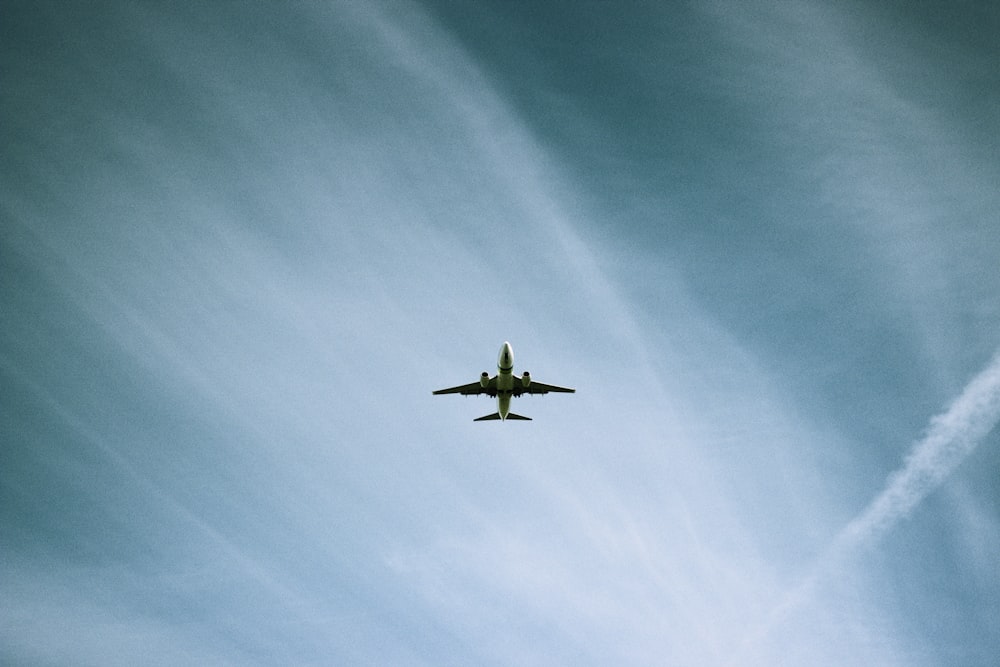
x=951 y=437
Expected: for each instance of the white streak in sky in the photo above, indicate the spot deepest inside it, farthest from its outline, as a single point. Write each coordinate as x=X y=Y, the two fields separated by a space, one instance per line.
x=951 y=438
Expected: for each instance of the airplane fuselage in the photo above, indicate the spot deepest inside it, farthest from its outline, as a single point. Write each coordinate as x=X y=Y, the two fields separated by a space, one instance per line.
x=505 y=379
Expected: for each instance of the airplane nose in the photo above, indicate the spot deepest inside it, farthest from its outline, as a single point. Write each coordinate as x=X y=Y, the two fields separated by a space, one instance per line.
x=506 y=357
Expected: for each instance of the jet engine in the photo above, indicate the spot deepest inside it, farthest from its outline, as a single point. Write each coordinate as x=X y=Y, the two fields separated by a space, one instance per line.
x=484 y=380
x=526 y=379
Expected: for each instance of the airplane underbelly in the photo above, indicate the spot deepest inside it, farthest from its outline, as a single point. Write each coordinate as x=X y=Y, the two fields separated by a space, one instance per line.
x=505 y=383
x=503 y=404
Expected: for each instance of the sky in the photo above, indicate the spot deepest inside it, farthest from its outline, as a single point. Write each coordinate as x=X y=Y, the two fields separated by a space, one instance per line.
x=243 y=242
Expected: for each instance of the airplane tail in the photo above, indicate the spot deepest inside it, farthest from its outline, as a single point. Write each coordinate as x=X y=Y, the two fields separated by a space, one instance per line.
x=496 y=415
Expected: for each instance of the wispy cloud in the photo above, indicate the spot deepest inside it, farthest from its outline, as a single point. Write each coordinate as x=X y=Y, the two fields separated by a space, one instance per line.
x=270 y=216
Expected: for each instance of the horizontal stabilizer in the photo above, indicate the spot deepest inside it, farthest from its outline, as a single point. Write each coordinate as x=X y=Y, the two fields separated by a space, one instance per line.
x=496 y=415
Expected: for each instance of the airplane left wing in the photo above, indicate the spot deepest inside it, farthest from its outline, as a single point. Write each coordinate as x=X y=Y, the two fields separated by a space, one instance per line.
x=537 y=388
x=472 y=389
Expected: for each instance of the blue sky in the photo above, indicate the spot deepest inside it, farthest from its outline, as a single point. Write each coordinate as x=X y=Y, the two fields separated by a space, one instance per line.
x=242 y=244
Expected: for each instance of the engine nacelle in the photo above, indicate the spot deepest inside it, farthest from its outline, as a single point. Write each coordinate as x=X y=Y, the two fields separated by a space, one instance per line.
x=484 y=380
x=526 y=379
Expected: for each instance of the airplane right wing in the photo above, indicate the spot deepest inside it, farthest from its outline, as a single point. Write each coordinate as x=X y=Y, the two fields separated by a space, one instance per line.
x=472 y=389
x=537 y=388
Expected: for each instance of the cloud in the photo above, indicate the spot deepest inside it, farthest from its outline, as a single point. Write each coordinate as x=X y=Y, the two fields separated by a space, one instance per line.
x=252 y=265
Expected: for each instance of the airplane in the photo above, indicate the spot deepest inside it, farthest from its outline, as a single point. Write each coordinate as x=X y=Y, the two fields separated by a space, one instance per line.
x=504 y=385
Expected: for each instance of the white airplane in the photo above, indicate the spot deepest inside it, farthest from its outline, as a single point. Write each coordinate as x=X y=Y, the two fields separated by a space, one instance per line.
x=504 y=385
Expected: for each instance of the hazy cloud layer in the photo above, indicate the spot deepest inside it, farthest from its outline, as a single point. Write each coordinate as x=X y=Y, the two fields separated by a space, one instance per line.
x=243 y=244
